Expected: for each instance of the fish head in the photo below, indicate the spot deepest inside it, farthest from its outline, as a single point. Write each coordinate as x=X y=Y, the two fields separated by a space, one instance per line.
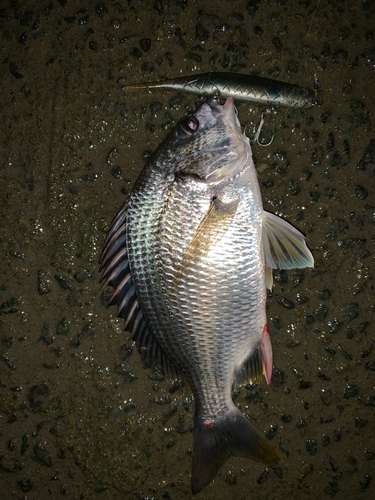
x=210 y=144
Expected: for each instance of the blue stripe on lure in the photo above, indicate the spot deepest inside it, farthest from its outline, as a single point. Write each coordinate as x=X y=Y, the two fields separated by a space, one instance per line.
x=249 y=88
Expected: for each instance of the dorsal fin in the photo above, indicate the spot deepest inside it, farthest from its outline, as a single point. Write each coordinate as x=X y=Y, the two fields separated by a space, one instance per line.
x=116 y=273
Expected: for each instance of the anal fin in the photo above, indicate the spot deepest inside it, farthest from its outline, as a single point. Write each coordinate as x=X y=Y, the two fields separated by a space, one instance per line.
x=259 y=363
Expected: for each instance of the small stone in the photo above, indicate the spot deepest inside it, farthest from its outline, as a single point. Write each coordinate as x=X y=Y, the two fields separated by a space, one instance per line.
x=321 y=312
x=292 y=66
x=360 y=423
x=10 y=306
x=64 y=282
x=125 y=352
x=87 y=331
x=38 y=397
x=181 y=426
x=286 y=418
x=155 y=108
x=263 y=476
x=351 y=312
x=365 y=483
x=303 y=384
x=325 y=440
x=332 y=488
x=8 y=342
x=333 y=463
x=314 y=195
x=326 y=396
x=81 y=276
x=293 y=188
x=231 y=478
x=298 y=277
x=351 y=464
x=25 y=484
x=337 y=435
x=317 y=156
x=46 y=336
x=361 y=192
x=125 y=374
x=145 y=44
x=42 y=455
x=116 y=24
x=277 y=470
x=12 y=419
x=334 y=325
x=195 y=57
x=93 y=45
x=136 y=53
x=368 y=157
x=44 y=283
x=325 y=294
x=280 y=276
x=24 y=444
x=301 y=298
x=330 y=144
x=116 y=172
x=111 y=157
x=311 y=446
x=63 y=327
x=201 y=33
x=147 y=155
x=283 y=301
x=161 y=400
x=270 y=434
x=301 y=422
x=101 y=10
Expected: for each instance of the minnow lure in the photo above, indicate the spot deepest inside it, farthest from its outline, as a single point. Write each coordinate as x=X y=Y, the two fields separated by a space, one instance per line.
x=240 y=87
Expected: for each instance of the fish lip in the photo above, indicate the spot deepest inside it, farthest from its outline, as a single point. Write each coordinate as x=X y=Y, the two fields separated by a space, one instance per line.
x=229 y=103
x=216 y=107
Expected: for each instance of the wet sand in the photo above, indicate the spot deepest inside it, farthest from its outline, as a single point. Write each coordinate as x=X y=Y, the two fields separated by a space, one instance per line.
x=80 y=415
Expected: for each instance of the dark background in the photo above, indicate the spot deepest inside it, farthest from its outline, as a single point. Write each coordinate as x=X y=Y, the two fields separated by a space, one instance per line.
x=80 y=417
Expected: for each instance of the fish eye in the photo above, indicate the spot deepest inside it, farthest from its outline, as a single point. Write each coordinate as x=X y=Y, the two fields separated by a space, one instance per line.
x=188 y=126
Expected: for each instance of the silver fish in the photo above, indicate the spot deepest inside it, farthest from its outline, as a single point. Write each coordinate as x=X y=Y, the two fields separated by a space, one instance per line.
x=241 y=87
x=190 y=255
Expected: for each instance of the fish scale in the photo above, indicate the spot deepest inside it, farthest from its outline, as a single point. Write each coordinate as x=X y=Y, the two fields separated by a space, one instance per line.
x=199 y=247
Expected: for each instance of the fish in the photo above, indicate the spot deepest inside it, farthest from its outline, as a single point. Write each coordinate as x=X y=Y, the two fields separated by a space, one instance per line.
x=248 y=88
x=190 y=255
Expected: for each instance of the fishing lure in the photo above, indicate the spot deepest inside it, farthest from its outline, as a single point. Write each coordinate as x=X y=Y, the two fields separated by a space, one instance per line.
x=240 y=87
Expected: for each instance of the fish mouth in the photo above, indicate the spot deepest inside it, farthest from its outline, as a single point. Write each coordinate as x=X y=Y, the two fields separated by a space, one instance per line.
x=217 y=108
x=225 y=154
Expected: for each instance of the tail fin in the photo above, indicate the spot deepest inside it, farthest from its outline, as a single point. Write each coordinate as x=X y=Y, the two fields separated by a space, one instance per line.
x=215 y=443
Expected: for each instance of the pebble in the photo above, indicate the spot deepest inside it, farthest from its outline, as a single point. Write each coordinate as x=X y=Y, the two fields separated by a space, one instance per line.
x=351 y=391
x=311 y=446
x=25 y=484
x=10 y=306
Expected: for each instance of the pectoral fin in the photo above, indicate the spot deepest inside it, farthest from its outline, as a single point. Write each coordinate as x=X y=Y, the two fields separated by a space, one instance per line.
x=209 y=232
x=284 y=247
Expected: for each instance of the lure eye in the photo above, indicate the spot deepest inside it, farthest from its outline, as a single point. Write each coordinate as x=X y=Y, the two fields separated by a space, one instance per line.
x=188 y=126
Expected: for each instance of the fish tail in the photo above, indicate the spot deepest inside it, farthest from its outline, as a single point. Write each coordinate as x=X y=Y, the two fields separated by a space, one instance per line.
x=215 y=442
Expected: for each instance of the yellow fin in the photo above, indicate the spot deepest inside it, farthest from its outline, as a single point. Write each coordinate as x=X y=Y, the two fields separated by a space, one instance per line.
x=284 y=247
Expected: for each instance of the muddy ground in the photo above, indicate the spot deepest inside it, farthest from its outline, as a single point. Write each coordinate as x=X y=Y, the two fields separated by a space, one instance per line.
x=80 y=416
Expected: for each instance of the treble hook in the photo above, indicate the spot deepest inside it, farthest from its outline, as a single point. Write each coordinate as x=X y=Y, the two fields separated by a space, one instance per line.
x=255 y=139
